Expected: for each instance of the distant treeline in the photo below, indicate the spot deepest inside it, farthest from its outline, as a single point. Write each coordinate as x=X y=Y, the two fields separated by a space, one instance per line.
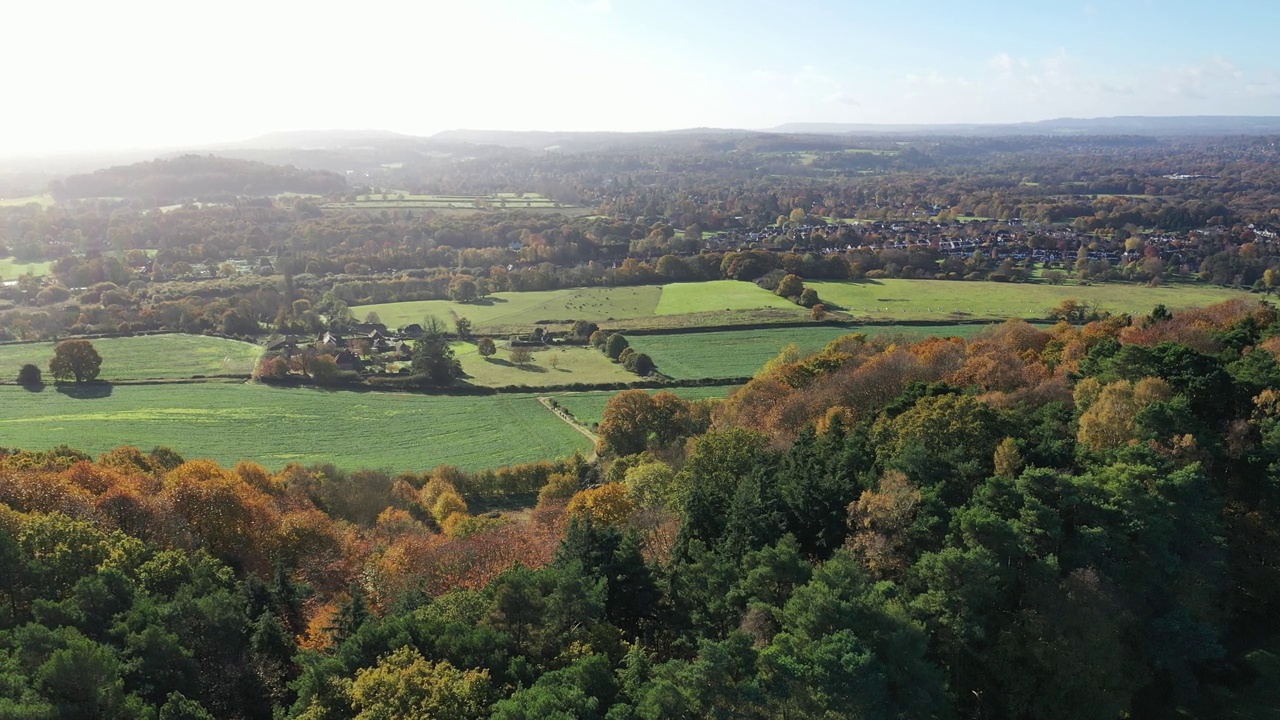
x=195 y=177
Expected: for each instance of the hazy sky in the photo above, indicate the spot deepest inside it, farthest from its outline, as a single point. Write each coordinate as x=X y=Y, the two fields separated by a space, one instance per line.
x=128 y=73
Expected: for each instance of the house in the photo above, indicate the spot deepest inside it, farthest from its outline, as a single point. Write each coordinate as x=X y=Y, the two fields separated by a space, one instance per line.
x=288 y=346
x=330 y=341
x=366 y=328
x=347 y=360
x=412 y=331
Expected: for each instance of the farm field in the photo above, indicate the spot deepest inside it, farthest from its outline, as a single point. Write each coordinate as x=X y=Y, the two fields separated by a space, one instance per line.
x=10 y=268
x=892 y=299
x=228 y=422
x=524 y=202
x=574 y=365
x=715 y=295
x=739 y=353
x=523 y=309
x=588 y=407
x=42 y=200
x=673 y=305
x=146 y=357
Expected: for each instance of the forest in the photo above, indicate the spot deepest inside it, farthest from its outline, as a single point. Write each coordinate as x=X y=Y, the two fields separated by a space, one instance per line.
x=1073 y=522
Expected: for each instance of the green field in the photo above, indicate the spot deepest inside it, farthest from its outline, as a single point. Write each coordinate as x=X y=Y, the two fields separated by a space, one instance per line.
x=10 y=269
x=525 y=202
x=587 y=407
x=42 y=200
x=573 y=365
x=739 y=353
x=715 y=295
x=228 y=422
x=673 y=305
x=891 y=299
x=146 y=357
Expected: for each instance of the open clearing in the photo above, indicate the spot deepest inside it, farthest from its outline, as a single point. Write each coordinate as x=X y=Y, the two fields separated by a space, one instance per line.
x=891 y=299
x=146 y=357
x=574 y=364
x=588 y=407
x=10 y=269
x=228 y=422
x=673 y=305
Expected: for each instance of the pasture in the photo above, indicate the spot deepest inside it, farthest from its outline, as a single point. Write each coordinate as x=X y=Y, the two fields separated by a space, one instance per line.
x=45 y=200
x=716 y=302
x=525 y=202
x=228 y=422
x=588 y=407
x=10 y=268
x=573 y=364
x=940 y=300
x=146 y=357
x=740 y=353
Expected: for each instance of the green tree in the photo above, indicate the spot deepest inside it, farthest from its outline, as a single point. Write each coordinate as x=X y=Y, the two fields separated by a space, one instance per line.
x=75 y=359
x=406 y=685
x=462 y=327
x=614 y=346
x=29 y=375
x=486 y=347
x=433 y=360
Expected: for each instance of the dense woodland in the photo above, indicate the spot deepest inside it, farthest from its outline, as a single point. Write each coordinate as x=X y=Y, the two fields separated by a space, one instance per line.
x=1073 y=523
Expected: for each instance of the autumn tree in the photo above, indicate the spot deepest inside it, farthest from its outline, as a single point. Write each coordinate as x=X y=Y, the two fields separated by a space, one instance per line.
x=790 y=287
x=521 y=356
x=75 y=359
x=486 y=347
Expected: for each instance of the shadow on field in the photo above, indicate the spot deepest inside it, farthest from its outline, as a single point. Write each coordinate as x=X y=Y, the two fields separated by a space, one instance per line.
x=508 y=363
x=86 y=391
x=485 y=301
x=32 y=387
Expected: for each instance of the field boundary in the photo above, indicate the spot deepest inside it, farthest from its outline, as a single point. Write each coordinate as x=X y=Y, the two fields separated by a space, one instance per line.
x=572 y=421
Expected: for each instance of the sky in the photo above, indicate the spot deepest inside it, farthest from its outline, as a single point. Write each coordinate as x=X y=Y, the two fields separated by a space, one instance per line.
x=92 y=75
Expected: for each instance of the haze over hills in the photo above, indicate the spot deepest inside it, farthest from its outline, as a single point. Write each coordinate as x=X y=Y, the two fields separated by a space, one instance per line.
x=1125 y=125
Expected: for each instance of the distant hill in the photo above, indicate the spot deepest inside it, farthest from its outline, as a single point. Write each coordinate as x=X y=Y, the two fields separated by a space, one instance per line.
x=195 y=177
x=585 y=140
x=1128 y=125
x=321 y=139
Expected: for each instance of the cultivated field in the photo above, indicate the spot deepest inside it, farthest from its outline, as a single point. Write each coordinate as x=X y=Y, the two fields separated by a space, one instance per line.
x=10 y=269
x=588 y=407
x=275 y=426
x=146 y=357
x=892 y=299
x=573 y=365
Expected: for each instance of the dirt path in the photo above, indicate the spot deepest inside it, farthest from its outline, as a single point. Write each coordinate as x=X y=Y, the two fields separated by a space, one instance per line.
x=546 y=402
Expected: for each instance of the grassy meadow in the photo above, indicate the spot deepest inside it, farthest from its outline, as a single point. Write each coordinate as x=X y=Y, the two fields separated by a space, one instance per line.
x=572 y=365
x=228 y=422
x=940 y=300
x=146 y=357
x=588 y=407
x=10 y=268
x=738 y=353
x=673 y=305
x=45 y=200
x=524 y=202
